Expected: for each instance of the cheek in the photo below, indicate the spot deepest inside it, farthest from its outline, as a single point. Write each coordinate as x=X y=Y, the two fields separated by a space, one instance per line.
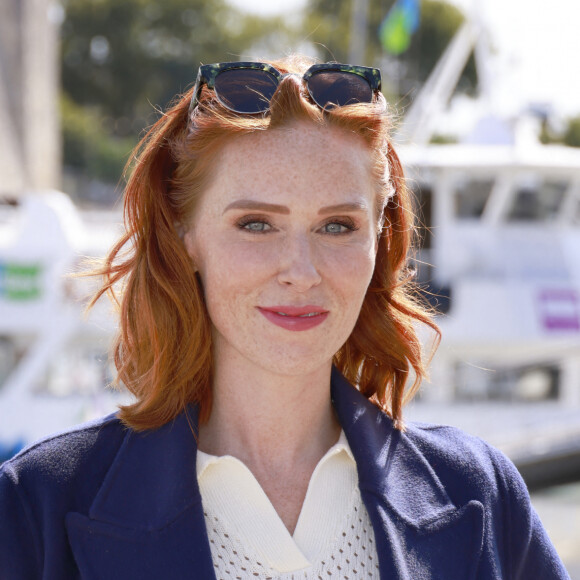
x=363 y=270
x=354 y=264
x=240 y=264
x=231 y=272
x=360 y=277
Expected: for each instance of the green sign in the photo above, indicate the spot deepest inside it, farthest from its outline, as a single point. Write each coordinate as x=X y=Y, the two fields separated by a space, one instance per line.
x=20 y=281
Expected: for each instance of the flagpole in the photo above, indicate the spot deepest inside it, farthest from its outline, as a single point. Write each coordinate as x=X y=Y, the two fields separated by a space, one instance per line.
x=358 y=32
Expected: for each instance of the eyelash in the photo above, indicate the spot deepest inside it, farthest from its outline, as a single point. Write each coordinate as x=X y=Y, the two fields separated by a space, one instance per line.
x=244 y=222
x=345 y=223
x=247 y=220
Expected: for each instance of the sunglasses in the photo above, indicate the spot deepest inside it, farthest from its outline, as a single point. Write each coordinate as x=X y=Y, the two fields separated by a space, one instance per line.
x=248 y=87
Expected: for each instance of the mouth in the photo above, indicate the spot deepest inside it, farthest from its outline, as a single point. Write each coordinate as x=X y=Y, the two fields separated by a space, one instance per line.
x=295 y=317
x=308 y=315
x=307 y=311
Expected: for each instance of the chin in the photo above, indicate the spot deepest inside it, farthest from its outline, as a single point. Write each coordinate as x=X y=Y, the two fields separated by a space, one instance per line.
x=295 y=365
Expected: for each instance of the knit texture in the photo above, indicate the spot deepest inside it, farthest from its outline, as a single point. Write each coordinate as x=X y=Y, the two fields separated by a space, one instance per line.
x=333 y=537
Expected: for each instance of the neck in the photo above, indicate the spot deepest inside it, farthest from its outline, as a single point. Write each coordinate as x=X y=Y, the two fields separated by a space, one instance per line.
x=279 y=426
x=269 y=421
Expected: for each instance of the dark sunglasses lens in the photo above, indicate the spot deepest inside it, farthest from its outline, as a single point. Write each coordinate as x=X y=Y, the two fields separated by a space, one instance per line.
x=245 y=90
x=338 y=88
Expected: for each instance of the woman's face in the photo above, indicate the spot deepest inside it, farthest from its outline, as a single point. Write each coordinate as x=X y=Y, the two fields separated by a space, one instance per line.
x=284 y=240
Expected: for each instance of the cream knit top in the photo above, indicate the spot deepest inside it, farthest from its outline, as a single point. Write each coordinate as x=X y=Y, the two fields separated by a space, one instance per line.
x=333 y=537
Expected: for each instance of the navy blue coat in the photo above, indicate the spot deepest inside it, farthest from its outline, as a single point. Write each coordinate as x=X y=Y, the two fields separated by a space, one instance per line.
x=102 y=502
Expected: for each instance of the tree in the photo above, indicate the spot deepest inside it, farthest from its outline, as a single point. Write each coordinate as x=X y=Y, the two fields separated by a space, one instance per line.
x=122 y=60
x=568 y=135
x=572 y=133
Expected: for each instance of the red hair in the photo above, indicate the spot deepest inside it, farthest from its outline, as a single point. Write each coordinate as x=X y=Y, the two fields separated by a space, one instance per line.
x=163 y=349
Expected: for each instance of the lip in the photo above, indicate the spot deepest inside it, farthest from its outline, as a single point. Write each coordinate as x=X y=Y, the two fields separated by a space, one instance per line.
x=296 y=318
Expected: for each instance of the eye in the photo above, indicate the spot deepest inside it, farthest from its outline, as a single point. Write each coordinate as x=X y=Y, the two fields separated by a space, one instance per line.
x=339 y=227
x=254 y=225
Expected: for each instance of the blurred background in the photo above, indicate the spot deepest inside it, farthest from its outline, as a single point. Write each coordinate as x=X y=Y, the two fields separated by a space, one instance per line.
x=486 y=95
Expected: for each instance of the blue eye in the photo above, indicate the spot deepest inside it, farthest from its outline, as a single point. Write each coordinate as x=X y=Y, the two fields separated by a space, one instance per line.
x=255 y=226
x=338 y=228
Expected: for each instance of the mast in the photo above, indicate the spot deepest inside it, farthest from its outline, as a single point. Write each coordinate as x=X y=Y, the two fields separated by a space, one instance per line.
x=30 y=156
x=358 y=31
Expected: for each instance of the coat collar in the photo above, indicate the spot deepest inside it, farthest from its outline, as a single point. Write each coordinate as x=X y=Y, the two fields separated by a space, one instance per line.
x=145 y=520
x=153 y=478
x=389 y=464
x=146 y=516
x=419 y=532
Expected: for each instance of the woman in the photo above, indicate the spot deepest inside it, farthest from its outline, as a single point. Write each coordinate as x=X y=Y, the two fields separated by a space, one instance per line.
x=269 y=224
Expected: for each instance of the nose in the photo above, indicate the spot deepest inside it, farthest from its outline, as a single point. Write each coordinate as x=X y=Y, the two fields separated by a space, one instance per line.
x=297 y=265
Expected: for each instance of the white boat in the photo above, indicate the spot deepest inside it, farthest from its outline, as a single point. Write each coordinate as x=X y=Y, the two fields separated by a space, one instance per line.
x=53 y=363
x=502 y=248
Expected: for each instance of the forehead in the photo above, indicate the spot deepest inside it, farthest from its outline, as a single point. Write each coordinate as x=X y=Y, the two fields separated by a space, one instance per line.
x=303 y=160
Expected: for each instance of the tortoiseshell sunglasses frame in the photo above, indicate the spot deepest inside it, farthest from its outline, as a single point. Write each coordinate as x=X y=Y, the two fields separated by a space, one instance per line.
x=208 y=73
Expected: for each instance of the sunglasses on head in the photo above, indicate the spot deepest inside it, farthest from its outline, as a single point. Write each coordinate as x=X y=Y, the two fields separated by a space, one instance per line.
x=248 y=87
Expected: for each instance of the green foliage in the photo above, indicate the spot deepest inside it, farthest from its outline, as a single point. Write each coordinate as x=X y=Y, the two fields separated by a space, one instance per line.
x=546 y=135
x=124 y=56
x=439 y=22
x=122 y=60
x=440 y=139
x=569 y=136
x=328 y=24
x=88 y=147
x=572 y=133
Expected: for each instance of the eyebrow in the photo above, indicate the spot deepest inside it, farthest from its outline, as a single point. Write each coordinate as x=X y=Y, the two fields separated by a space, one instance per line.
x=250 y=204
x=257 y=205
x=343 y=207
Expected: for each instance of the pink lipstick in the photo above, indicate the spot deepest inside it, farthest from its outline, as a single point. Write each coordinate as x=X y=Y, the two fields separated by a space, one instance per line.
x=295 y=317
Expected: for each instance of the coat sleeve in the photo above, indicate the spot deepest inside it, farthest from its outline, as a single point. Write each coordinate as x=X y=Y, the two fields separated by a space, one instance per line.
x=20 y=553
x=529 y=551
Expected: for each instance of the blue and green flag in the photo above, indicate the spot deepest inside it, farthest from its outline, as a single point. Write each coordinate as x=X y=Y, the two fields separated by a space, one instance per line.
x=399 y=25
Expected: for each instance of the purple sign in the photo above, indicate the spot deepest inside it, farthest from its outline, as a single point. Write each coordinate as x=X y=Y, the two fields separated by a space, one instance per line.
x=560 y=309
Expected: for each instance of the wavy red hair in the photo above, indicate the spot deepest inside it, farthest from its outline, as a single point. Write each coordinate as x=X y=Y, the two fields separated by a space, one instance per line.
x=163 y=349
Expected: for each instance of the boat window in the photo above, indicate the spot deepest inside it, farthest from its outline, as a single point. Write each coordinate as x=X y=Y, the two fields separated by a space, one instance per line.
x=539 y=202
x=471 y=197
x=480 y=382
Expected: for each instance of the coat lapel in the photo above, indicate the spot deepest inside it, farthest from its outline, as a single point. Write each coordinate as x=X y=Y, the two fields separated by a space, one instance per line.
x=147 y=519
x=415 y=522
